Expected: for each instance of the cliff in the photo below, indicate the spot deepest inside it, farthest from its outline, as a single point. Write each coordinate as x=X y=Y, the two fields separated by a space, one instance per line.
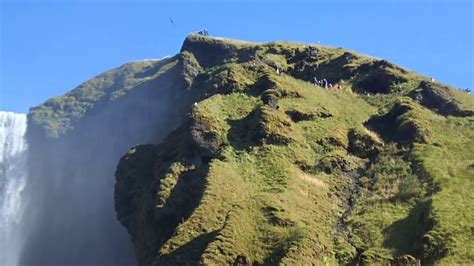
x=268 y=168
x=75 y=142
x=234 y=162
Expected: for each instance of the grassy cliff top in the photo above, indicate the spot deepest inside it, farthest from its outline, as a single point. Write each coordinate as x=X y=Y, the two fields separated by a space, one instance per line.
x=59 y=115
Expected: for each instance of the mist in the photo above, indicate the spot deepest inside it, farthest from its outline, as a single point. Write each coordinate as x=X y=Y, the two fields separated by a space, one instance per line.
x=69 y=215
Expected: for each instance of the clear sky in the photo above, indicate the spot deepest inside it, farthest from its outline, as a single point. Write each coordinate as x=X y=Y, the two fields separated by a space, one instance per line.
x=48 y=47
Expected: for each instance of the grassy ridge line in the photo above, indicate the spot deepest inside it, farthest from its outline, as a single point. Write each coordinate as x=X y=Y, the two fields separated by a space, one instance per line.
x=58 y=115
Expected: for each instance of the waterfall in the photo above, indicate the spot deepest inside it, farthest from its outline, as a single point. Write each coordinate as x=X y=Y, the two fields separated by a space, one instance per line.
x=12 y=182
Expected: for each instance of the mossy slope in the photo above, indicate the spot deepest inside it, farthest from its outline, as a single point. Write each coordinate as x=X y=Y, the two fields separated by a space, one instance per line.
x=266 y=168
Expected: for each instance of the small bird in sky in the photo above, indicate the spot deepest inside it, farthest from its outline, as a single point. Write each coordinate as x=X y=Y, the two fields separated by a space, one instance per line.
x=172 y=21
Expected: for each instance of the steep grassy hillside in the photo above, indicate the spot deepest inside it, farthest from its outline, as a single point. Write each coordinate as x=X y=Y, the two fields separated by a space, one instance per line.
x=268 y=168
x=257 y=166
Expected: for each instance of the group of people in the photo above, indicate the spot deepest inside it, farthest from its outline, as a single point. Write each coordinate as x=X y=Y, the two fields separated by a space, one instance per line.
x=203 y=32
x=326 y=84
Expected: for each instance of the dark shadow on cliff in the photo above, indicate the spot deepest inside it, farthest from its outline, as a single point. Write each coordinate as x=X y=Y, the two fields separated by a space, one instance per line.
x=398 y=125
x=407 y=236
x=70 y=212
x=439 y=99
x=183 y=200
x=242 y=134
x=189 y=253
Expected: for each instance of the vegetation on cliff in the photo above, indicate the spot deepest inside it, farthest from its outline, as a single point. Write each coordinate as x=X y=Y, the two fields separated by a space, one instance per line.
x=267 y=168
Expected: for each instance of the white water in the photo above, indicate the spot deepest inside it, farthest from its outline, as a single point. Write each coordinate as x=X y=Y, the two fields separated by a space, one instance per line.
x=12 y=181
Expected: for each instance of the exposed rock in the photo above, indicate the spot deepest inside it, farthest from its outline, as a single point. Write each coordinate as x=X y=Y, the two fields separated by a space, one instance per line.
x=378 y=77
x=242 y=260
x=439 y=99
x=209 y=51
x=320 y=68
x=363 y=145
x=336 y=163
x=270 y=97
x=396 y=125
x=205 y=137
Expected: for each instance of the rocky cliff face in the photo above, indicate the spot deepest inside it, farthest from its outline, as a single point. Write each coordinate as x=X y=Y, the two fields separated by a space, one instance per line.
x=235 y=163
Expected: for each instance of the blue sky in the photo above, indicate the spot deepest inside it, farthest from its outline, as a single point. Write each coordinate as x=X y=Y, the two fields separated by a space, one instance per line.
x=48 y=47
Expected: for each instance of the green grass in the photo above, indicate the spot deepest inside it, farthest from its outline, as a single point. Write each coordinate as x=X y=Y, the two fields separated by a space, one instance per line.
x=261 y=168
x=449 y=164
